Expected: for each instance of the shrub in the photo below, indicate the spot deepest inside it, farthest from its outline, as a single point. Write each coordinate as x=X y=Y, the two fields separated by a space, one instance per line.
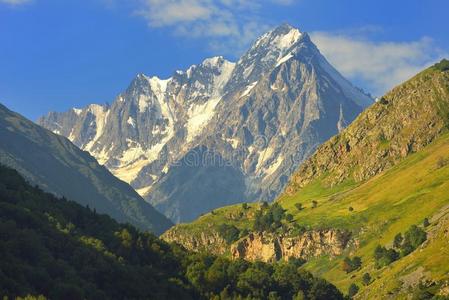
x=441 y=162
x=245 y=206
x=382 y=100
x=426 y=222
x=443 y=65
x=270 y=220
x=314 y=204
x=349 y=265
x=397 y=242
x=351 y=208
x=384 y=256
x=229 y=232
x=414 y=237
x=298 y=206
x=353 y=290
x=366 y=278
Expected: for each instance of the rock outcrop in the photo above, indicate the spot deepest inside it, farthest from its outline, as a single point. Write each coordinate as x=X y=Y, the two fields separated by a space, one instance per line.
x=210 y=242
x=270 y=247
x=264 y=246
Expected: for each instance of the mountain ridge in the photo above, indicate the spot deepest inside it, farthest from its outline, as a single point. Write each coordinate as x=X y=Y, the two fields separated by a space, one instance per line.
x=229 y=108
x=56 y=165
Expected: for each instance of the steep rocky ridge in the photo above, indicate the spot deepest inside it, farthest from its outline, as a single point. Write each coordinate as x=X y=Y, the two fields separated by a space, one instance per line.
x=57 y=166
x=261 y=116
x=402 y=122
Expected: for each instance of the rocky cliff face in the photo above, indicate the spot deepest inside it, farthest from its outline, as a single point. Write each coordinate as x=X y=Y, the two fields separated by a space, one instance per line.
x=269 y=247
x=404 y=121
x=209 y=242
x=184 y=143
x=265 y=246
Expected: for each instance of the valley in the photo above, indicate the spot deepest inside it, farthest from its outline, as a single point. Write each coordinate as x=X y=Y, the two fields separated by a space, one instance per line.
x=215 y=150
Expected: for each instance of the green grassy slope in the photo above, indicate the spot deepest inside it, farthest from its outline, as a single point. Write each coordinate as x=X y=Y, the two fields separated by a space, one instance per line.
x=389 y=203
x=384 y=206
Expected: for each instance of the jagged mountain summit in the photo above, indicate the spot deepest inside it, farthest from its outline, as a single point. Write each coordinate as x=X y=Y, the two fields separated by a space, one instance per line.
x=220 y=132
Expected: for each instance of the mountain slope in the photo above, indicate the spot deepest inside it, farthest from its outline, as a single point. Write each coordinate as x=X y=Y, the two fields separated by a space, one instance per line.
x=402 y=122
x=58 y=249
x=260 y=117
x=371 y=202
x=54 y=163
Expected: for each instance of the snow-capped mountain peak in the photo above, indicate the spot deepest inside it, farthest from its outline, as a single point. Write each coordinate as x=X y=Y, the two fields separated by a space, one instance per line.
x=281 y=38
x=282 y=89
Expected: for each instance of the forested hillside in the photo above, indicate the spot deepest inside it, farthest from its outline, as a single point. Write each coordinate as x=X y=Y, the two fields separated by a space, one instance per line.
x=61 y=250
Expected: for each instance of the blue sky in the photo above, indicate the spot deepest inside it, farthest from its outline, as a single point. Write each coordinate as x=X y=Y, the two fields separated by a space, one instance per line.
x=58 y=54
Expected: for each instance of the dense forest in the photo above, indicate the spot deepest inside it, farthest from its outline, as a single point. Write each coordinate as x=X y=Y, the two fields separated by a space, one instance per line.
x=57 y=249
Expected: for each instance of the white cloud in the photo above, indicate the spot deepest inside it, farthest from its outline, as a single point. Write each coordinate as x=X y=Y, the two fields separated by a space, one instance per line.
x=228 y=25
x=169 y=12
x=284 y=2
x=15 y=2
x=381 y=65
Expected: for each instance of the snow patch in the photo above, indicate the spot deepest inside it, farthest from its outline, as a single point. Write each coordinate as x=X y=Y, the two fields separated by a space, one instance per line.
x=212 y=61
x=248 y=70
x=264 y=156
x=143 y=103
x=287 y=40
x=72 y=135
x=77 y=111
x=103 y=156
x=221 y=80
x=274 y=166
x=284 y=59
x=248 y=89
x=190 y=70
x=131 y=121
x=159 y=86
x=234 y=142
x=135 y=158
x=143 y=191
x=199 y=116
x=101 y=115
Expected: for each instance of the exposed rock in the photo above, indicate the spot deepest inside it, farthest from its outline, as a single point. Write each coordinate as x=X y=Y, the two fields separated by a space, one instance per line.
x=210 y=242
x=264 y=246
x=269 y=247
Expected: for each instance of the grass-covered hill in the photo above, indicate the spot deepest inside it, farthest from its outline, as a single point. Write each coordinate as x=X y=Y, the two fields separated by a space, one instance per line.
x=56 y=249
x=385 y=179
